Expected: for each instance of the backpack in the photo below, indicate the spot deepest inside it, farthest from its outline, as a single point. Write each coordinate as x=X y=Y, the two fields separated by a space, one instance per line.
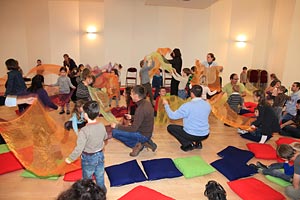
x=214 y=191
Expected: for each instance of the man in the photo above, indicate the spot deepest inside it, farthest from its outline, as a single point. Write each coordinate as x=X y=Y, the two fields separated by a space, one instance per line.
x=195 y=121
x=288 y=153
x=234 y=81
x=139 y=133
x=291 y=109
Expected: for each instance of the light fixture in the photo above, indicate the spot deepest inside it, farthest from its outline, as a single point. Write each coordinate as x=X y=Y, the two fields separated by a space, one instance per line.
x=241 y=41
x=91 y=32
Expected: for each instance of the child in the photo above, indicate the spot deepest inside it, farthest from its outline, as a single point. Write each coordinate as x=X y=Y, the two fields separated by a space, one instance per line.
x=112 y=93
x=90 y=144
x=162 y=93
x=243 y=76
x=279 y=101
x=157 y=82
x=64 y=84
x=82 y=92
x=36 y=87
x=15 y=84
x=266 y=123
x=146 y=66
x=205 y=90
x=236 y=101
x=183 y=79
x=288 y=153
x=77 y=121
x=131 y=106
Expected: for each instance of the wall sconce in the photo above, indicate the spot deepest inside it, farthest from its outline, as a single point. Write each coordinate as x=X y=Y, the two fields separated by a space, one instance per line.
x=241 y=41
x=91 y=32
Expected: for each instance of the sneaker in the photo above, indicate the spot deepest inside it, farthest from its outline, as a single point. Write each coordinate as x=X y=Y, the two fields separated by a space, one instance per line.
x=240 y=131
x=62 y=112
x=151 y=145
x=68 y=112
x=136 y=150
x=253 y=166
x=260 y=165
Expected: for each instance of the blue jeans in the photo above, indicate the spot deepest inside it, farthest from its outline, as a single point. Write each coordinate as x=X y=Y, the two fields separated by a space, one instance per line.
x=93 y=165
x=182 y=94
x=130 y=139
x=286 y=117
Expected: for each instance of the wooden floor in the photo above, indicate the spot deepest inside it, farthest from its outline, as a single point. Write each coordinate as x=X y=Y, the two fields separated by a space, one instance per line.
x=13 y=186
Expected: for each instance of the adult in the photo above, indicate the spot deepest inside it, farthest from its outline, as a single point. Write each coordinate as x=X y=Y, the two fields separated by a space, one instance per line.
x=210 y=60
x=292 y=127
x=234 y=81
x=11 y=101
x=139 y=133
x=288 y=153
x=176 y=63
x=36 y=87
x=291 y=111
x=195 y=120
x=69 y=62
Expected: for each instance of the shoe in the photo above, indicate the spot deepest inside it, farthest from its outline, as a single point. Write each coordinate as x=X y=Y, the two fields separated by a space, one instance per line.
x=62 y=112
x=151 y=145
x=240 y=131
x=260 y=165
x=189 y=147
x=198 y=145
x=253 y=166
x=136 y=149
x=68 y=112
x=227 y=125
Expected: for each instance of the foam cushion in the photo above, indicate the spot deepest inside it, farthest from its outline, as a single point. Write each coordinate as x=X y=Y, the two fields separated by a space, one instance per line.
x=193 y=166
x=142 y=192
x=233 y=170
x=28 y=174
x=253 y=138
x=239 y=155
x=285 y=140
x=160 y=168
x=9 y=163
x=4 y=148
x=125 y=173
x=253 y=189
x=263 y=151
x=278 y=181
x=73 y=176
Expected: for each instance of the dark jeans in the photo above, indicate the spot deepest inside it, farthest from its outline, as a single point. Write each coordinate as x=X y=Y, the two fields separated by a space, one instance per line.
x=148 y=88
x=130 y=139
x=291 y=131
x=174 y=87
x=275 y=170
x=183 y=137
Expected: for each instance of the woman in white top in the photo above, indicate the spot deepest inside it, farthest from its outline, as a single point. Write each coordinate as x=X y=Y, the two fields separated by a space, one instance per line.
x=210 y=60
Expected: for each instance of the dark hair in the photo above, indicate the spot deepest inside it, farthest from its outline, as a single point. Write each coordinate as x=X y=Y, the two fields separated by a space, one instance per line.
x=63 y=69
x=84 y=189
x=273 y=83
x=273 y=76
x=176 y=52
x=285 y=151
x=197 y=90
x=85 y=73
x=38 y=60
x=298 y=101
x=193 y=69
x=187 y=71
x=116 y=71
x=77 y=105
x=36 y=83
x=142 y=63
x=140 y=91
x=212 y=56
x=91 y=108
x=262 y=98
x=245 y=68
x=128 y=97
x=297 y=84
x=232 y=75
x=12 y=64
x=66 y=55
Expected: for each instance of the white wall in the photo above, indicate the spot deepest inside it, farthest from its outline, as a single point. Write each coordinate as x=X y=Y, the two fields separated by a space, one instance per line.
x=128 y=30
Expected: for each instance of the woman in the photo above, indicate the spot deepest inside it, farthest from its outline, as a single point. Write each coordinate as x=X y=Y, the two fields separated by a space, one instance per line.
x=37 y=88
x=176 y=63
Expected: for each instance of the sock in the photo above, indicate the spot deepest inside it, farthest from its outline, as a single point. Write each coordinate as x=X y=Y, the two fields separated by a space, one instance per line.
x=263 y=139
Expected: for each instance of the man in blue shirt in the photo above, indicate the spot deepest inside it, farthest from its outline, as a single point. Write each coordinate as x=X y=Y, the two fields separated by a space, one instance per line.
x=195 y=121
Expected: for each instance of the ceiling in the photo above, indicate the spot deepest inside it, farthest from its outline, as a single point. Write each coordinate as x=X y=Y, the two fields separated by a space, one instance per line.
x=194 y=4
